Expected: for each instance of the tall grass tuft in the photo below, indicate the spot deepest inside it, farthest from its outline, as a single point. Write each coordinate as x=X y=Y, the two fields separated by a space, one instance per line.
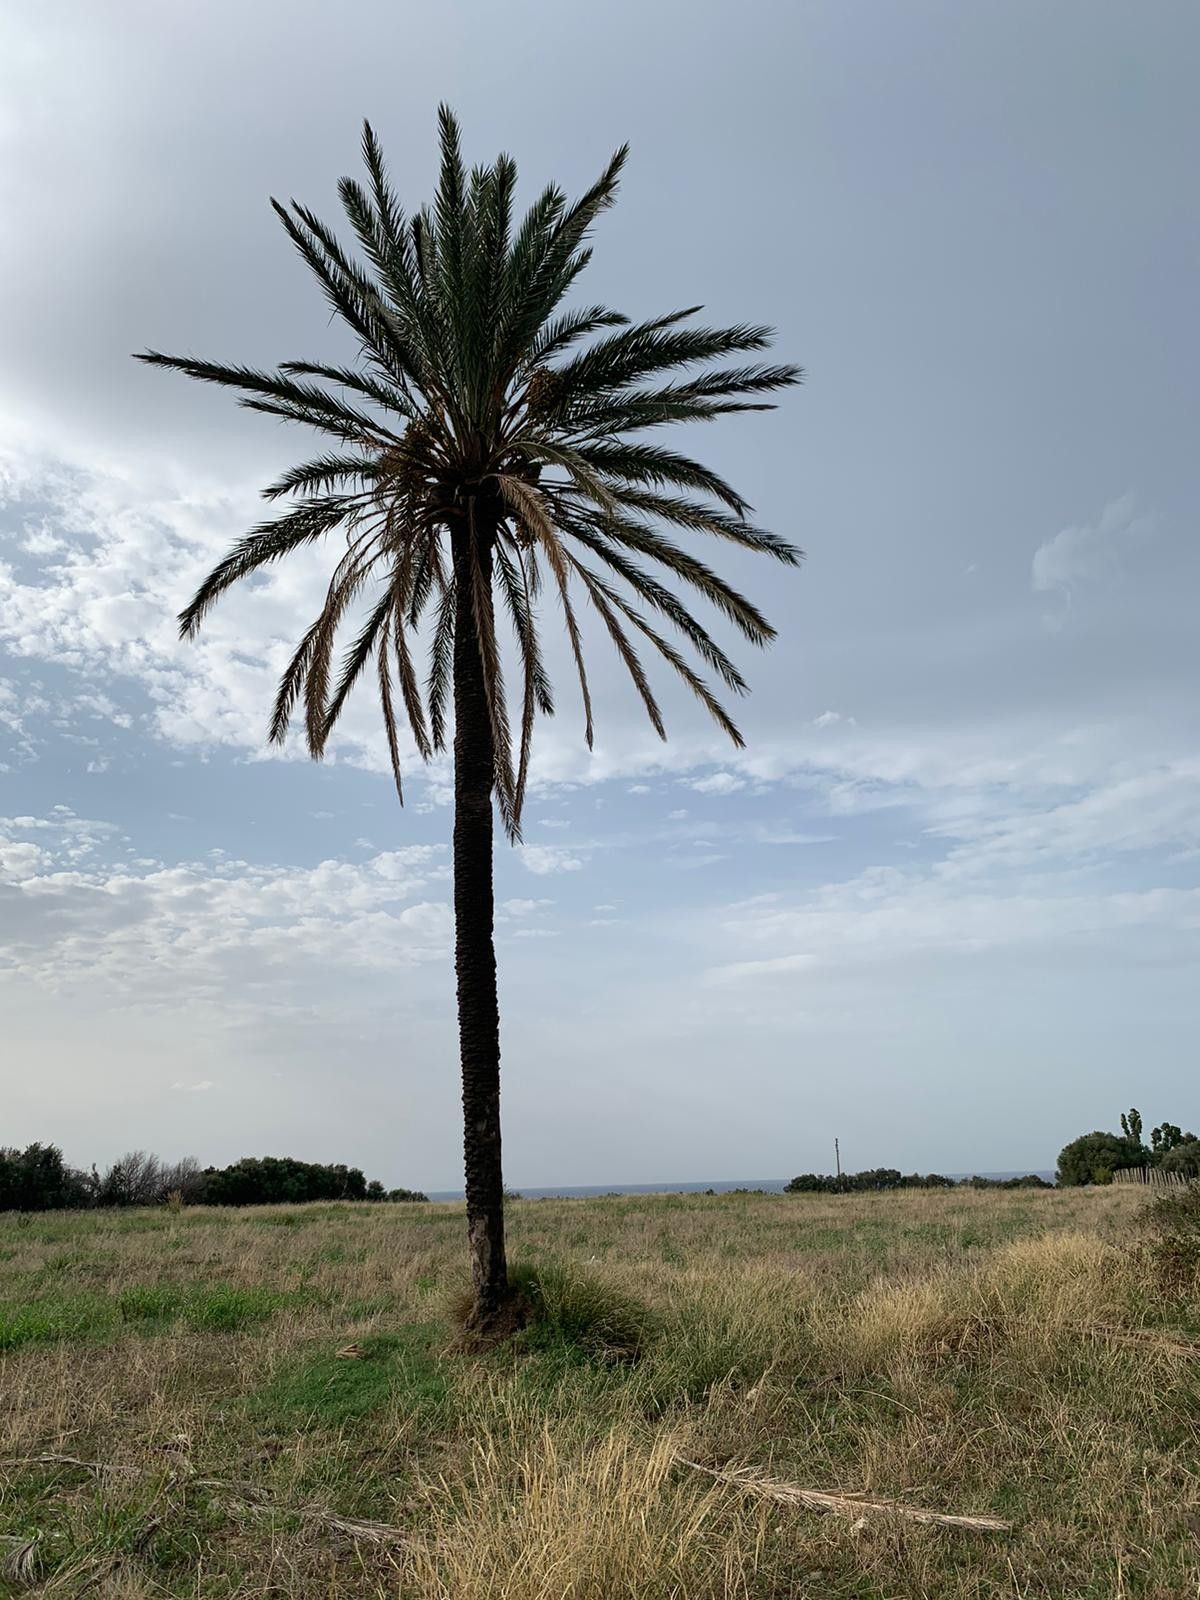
x=567 y=1310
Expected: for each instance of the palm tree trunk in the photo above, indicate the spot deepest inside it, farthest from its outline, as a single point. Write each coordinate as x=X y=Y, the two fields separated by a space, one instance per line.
x=474 y=947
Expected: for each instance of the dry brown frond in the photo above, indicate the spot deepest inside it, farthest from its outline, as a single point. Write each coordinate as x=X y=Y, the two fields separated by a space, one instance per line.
x=751 y=1481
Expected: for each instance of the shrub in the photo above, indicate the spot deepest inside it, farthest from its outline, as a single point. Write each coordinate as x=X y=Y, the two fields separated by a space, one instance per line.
x=271 y=1180
x=1182 y=1157
x=873 y=1179
x=562 y=1309
x=37 y=1179
x=1172 y=1224
x=1094 y=1157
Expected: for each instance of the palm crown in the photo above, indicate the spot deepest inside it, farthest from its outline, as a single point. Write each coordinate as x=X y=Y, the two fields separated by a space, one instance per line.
x=488 y=437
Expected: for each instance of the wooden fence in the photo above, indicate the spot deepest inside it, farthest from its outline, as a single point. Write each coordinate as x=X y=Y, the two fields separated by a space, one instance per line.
x=1153 y=1177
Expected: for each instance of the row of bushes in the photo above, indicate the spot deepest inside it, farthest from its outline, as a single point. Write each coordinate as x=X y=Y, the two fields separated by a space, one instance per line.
x=879 y=1178
x=38 y=1179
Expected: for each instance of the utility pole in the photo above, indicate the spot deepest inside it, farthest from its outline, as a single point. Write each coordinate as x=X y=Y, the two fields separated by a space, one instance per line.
x=837 y=1156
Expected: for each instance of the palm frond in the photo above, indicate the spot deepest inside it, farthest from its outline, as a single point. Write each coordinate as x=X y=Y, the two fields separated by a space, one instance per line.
x=650 y=463
x=700 y=518
x=669 y=654
x=322 y=475
x=441 y=664
x=291 y=685
x=387 y=706
x=623 y=648
x=268 y=542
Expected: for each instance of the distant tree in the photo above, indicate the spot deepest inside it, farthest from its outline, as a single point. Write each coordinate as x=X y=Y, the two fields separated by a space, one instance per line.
x=275 y=1180
x=1131 y=1125
x=186 y=1179
x=37 y=1179
x=1094 y=1157
x=874 y=1178
x=406 y=1194
x=136 y=1179
x=1168 y=1136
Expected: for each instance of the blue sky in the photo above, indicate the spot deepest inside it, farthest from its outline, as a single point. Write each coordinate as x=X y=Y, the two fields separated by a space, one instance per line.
x=945 y=905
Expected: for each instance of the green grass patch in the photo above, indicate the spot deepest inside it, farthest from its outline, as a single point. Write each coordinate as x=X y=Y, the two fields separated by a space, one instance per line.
x=399 y=1372
x=47 y=1321
x=218 y=1308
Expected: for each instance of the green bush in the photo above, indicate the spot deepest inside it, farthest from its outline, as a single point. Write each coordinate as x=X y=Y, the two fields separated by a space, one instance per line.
x=1094 y=1157
x=572 y=1310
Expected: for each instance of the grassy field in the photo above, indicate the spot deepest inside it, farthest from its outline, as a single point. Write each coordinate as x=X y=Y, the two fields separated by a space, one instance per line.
x=1002 y=1355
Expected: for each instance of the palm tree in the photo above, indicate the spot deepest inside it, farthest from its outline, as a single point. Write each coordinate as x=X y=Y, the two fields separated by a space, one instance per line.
x=488 y=442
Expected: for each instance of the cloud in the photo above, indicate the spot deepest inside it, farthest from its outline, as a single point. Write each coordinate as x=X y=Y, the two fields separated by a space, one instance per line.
x=221 y=931
x=886 y=918
x=524 y=908
x=128 y=550
x=767 y=834
x=1088 y=554
x=195 y=1088
x=1127 y=812
x=718 y=783
x=545 y=859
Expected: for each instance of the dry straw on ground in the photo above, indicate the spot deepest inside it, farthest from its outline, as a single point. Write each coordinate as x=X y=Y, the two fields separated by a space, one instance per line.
x=751 y=1481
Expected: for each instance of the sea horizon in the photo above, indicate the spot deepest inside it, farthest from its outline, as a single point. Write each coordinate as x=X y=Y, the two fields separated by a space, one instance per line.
x=584 y=1191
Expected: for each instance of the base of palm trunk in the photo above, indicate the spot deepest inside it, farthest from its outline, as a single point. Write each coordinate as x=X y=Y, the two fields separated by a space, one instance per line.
x=484 y=1327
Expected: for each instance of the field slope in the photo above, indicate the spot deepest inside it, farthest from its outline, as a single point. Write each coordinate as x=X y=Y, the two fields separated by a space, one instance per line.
x=266 y=1403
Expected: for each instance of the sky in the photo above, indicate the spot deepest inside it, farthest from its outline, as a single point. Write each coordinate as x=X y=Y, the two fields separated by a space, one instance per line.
x=945 y=905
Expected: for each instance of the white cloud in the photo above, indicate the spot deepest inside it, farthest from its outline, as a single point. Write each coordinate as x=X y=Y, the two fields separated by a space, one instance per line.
x=768 y=834
x=1154 y=809
x=219 y=931
x=886 y=917
x=195 y=1088
x=827 y=719
x=127 y=553
x=718 y=783
x=1088 y=554
x=544 y=859
x=524 y=908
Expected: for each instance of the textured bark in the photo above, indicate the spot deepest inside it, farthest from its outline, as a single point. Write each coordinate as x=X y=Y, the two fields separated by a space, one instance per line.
x=474 y=947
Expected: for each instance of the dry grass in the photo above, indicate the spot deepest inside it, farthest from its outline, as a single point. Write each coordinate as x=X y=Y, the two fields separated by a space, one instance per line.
x=181 y=1417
